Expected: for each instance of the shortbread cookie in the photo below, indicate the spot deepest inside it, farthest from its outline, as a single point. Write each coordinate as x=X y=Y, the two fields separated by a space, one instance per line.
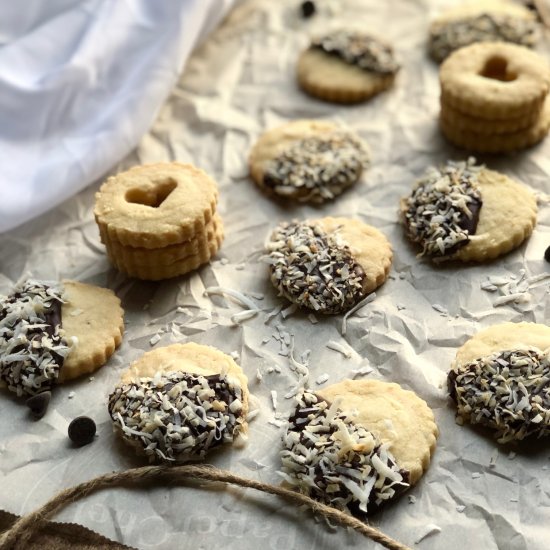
x=504 y=336
x=308 y=160
x=501 y=379
x=332 y=458
x=129 y=255
x=481 y=21
x=460 y=122
x=328 y=265
x=51 y=332
x=157 y=272
x=93 y=320
x=465 y=212
x=156 y=205
x=396 y=417
x=497 y=142
x=494 y=80
x=346 y=67
x=176 y=403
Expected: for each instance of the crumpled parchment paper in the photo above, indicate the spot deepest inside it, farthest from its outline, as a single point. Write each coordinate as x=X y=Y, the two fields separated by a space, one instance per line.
x=476 y=494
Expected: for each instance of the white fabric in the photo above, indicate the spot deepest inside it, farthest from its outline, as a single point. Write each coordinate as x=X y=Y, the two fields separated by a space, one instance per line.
x=80 y=82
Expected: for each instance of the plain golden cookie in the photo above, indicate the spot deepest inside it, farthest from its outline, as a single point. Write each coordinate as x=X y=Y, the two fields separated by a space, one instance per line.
x=459 y=122
x=497 y=142
x=494 y=80
x=129 y=255
x=156 y=272
x=393 y=415
x=155 y=205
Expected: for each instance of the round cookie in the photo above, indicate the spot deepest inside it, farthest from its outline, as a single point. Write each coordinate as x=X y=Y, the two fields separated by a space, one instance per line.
x=394 y=416
x=175 y=403
x=330 y=457
x=346 y=66
x=501 y=379
x=151 y=271
x=501 y=337
x=155 y=205
x=497 y=142
x=466 y=212
x=51 y=332
x=494 y=80
x=308 y=160
x=130 y=255
x=481 y=21
x=328 y=265
x=459 y=122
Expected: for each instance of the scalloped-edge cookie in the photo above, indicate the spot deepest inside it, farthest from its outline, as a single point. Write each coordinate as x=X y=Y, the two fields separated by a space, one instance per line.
x=329 y=264
x=176 y=403
x=156 y=272
x=308 y=160
x=156 y=205
x=53 y=332
x=129 y=255
x=501 y=379
x=394 y=415
x=466 y=212
x=334 y=459
x=502 y=336
x=481 y=21
x=346 y=66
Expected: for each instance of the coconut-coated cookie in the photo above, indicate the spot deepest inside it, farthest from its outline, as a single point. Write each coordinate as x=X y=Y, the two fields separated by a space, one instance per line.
x=327 y=265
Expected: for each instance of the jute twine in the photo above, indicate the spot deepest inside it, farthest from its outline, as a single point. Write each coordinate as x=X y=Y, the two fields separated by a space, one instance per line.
x=17 y=537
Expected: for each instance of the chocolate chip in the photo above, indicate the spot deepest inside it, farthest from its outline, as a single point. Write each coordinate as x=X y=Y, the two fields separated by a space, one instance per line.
x=82 y=430
x=38 y=404
x=308 y=8
x=547 y=254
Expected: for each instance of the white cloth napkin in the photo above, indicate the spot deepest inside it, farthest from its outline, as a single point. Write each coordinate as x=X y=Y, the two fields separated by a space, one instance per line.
x=80 y=82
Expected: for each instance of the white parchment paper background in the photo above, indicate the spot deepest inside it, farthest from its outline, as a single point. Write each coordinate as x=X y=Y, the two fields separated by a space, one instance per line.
x=238 y=84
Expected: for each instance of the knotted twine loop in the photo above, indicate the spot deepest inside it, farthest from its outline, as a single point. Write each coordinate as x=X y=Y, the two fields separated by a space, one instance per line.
x=20 y=533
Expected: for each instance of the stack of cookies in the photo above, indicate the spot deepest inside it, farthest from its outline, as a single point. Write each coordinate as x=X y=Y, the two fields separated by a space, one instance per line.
x=494 y=97
x=159 y=220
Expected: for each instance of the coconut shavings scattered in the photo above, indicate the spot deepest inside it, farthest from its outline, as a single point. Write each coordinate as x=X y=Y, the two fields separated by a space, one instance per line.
x=178 y=416
x=514 y=289
x=359 y=49
x=240 y=298
x=314 y=269
x=32 y=344
x=443 y=209
x=317 y=168
x=431 y=529
x=336 y=461
x=508 y=391
x=340 y=348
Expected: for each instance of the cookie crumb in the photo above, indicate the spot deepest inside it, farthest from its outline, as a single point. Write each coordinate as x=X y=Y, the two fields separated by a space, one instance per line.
x=71 y=395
